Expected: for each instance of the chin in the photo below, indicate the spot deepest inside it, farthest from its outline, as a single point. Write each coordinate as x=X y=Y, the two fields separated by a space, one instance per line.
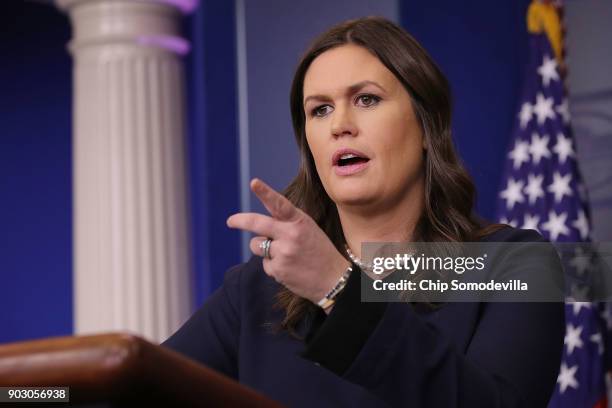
x=354 y=196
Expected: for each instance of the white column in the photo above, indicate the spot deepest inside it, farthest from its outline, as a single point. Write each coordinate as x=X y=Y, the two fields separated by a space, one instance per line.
x=131 y=244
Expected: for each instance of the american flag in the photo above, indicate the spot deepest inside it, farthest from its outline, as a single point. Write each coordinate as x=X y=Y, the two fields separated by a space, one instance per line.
x=543 y=190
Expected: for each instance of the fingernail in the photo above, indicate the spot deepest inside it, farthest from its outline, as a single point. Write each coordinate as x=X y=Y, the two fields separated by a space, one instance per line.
x=256 y=184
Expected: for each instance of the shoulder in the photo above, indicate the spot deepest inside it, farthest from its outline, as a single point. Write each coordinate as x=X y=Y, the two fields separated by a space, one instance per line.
x=510 y=234
x=519 y=245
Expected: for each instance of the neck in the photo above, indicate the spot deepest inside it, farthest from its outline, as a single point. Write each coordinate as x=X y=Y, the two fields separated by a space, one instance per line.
x=387 y=225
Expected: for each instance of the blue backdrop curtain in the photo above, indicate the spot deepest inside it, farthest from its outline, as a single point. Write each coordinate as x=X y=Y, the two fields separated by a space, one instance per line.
x=481 y=48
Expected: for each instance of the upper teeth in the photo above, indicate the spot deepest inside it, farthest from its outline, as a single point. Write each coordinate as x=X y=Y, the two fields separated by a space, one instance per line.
x=347 y=156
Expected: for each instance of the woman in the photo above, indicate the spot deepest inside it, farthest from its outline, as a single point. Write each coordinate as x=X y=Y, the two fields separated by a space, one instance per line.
x=371 y=113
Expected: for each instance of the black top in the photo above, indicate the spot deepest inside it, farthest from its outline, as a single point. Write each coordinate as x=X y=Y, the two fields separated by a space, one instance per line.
x=335 y=340
x=377 y=354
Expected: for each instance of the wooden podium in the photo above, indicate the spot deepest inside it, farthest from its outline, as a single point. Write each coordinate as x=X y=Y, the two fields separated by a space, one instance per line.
x=120 y=370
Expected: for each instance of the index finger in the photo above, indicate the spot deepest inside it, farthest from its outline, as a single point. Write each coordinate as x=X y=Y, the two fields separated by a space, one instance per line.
x=277 y=204
x=259 y=224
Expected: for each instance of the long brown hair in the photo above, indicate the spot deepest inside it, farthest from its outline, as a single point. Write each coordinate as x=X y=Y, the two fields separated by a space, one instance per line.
x=449 y=190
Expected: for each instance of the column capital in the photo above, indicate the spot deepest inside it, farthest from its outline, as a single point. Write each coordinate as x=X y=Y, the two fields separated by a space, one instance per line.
x=186 y=6
x=154 y=24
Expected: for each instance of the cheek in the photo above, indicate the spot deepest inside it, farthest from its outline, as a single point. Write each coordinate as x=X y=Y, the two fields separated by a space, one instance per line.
x=401 y=145
x=403 y=161
x=315 y=146
x=398 y=135
x=315 y=135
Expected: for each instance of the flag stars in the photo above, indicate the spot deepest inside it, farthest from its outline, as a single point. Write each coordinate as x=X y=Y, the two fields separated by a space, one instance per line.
x=520 y=154
x=596 y=338
x=580 y=261
x=563 y=111
x=581 y=224
x=560 y=186
x=543 y=108
x=577 y=307
x=578 y=295
x=511 y=223
x=548 y=70
x=555 y=225
x=512 y=194
x=567 y=377
x=539 y=147
x=606 y=315
x=525 y=114
x=531 y=222
x=534 y=187
x=564 y=148
x=572 y=338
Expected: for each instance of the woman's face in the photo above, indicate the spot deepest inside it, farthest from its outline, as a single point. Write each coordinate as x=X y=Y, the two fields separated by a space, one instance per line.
x=355 y=106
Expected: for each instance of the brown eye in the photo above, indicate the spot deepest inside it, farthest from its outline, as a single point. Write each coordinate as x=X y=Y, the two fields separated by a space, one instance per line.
x=368 y=100
x=320 y=111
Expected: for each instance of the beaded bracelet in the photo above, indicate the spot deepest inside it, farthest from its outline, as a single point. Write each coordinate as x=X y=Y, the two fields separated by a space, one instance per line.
x=330 y=298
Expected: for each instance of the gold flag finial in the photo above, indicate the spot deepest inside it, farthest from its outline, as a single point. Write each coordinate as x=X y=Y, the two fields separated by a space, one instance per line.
x=542 y=16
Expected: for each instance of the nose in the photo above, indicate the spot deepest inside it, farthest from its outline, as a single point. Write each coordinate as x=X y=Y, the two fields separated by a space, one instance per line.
x=343 y=123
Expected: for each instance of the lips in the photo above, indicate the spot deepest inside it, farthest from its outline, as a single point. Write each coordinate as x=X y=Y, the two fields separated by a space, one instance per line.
x=346 y=156
x=347 y=161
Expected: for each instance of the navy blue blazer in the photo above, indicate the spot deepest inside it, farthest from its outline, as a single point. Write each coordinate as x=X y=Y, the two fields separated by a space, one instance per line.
x=395 y=354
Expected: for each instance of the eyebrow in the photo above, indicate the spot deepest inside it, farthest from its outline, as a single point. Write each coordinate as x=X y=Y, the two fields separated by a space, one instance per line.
x=350 y=91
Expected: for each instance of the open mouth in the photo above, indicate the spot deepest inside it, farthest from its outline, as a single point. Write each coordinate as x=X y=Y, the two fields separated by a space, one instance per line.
x=349 y=159
x=347 y=162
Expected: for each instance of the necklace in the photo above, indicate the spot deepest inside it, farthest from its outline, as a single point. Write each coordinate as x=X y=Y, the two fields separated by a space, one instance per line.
x=364 y=267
